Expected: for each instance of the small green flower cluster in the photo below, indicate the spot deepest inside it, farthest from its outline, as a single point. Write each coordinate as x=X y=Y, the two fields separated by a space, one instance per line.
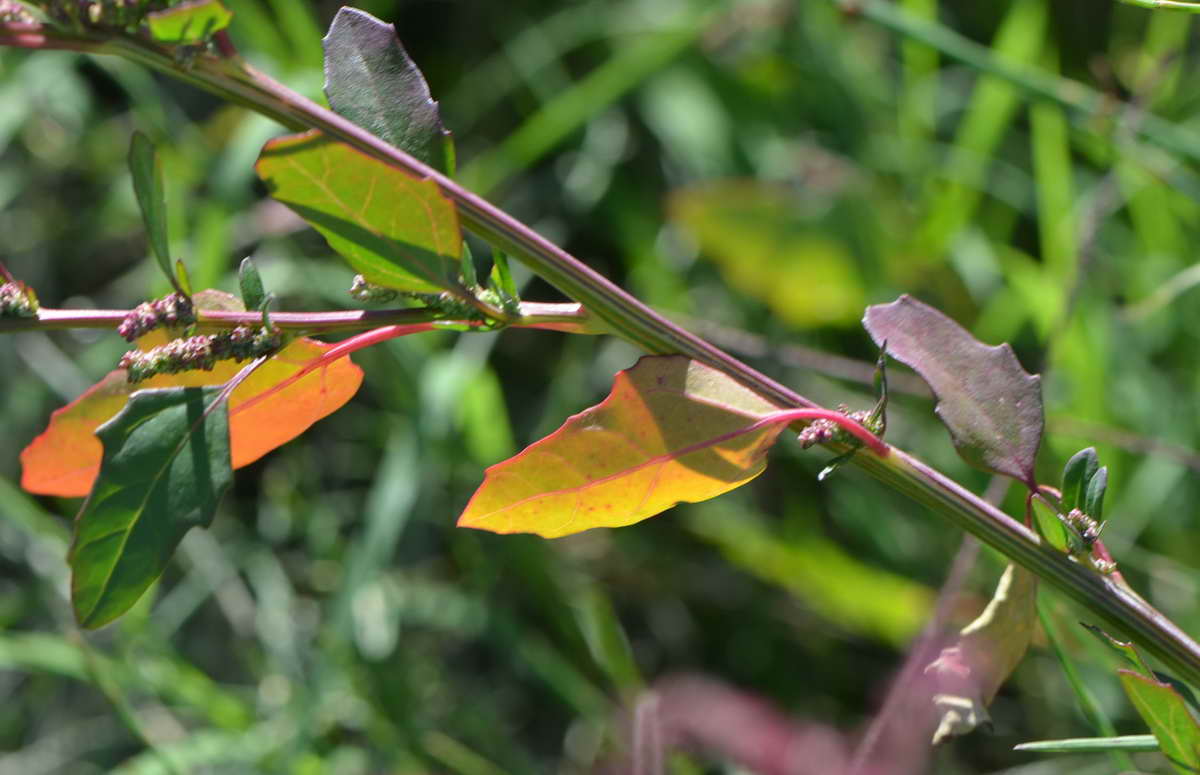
x=17 y=301
x=107 y=14
x=201 y=352
x=172 y=310
x=14 y=12
x=823 y=431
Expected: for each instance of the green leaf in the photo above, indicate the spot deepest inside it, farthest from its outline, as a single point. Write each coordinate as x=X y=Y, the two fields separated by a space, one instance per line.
x=370 y=79
x=251 y=284
x=991 y=406
x=1167 y=715
x=181 y=274
x=1078 y=471
x=395 y=230
x=193 y=21
x=1123 y=649
x=671 y=430
x=501 y=281
x=1049 y=525
x=1093 y=502
x=1092 y=744
x=146 y=168
x=166 y=464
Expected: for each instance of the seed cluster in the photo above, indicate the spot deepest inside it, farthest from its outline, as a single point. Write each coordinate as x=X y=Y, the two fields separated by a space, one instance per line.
x=13 y=12
x=17 y=301
x=823 y=431
x=108 y=14
x=201 y=352
x=172 y=310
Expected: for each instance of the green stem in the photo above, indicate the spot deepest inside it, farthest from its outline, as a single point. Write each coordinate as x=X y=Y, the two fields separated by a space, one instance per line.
x=632 y=320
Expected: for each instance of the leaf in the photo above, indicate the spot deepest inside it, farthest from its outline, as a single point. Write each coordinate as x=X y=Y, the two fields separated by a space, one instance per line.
x=992 y=407
x=1049 y=525
x=1093 y=501
x=166 y=464
x=251 y=284
x=395 y=230
x=192 y=21
x=146 y=169
x=1078 y=471
x=1092 y=744
x=65 y=458
x=370 y=79
x=969 y=673
x=671 y=430
x=1167 y=715
x=1123 y=649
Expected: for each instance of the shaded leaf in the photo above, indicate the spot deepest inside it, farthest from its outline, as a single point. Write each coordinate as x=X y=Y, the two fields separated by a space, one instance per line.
x=65 y=458
x=1078 y=471
x=370 y=79
x=1167 y=715
x=969 y=673
x=146 y=170
x=166 y=464
x=1093 y=500
x=395 y=230
x=192 y=21
x=992 y=407
x=671 y=430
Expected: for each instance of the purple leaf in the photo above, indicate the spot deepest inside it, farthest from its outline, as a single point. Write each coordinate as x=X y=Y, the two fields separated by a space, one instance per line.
x=370 y=79
x=992 y=406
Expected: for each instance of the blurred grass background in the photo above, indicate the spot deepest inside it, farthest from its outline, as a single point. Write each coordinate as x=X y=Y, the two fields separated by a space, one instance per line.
x=761 y=169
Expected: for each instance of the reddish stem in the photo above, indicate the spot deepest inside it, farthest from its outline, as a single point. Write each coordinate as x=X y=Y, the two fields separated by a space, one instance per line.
x=856 y=429
x=340 y=350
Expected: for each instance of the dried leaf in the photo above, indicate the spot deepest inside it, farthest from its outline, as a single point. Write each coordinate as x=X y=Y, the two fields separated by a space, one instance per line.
x=969 y=673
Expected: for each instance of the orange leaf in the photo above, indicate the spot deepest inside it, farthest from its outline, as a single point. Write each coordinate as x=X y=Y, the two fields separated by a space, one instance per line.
x=672 y=430
x=65 y=458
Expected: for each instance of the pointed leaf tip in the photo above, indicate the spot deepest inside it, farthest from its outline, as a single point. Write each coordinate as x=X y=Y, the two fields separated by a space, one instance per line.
x=371 y=80
x=991 y=406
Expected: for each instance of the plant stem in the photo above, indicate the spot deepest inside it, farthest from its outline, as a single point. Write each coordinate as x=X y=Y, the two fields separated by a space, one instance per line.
x=559 y=317
x=625 y=316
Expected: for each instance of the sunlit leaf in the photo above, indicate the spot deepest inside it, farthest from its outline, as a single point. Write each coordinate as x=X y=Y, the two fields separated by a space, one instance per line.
x=395 y=230
x=65 y=458
x=969 y=673
x=166 y=465
x=370 y=79
x=1167 y=715
x=671 y=430
x=191 y=21
x=992 y=406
